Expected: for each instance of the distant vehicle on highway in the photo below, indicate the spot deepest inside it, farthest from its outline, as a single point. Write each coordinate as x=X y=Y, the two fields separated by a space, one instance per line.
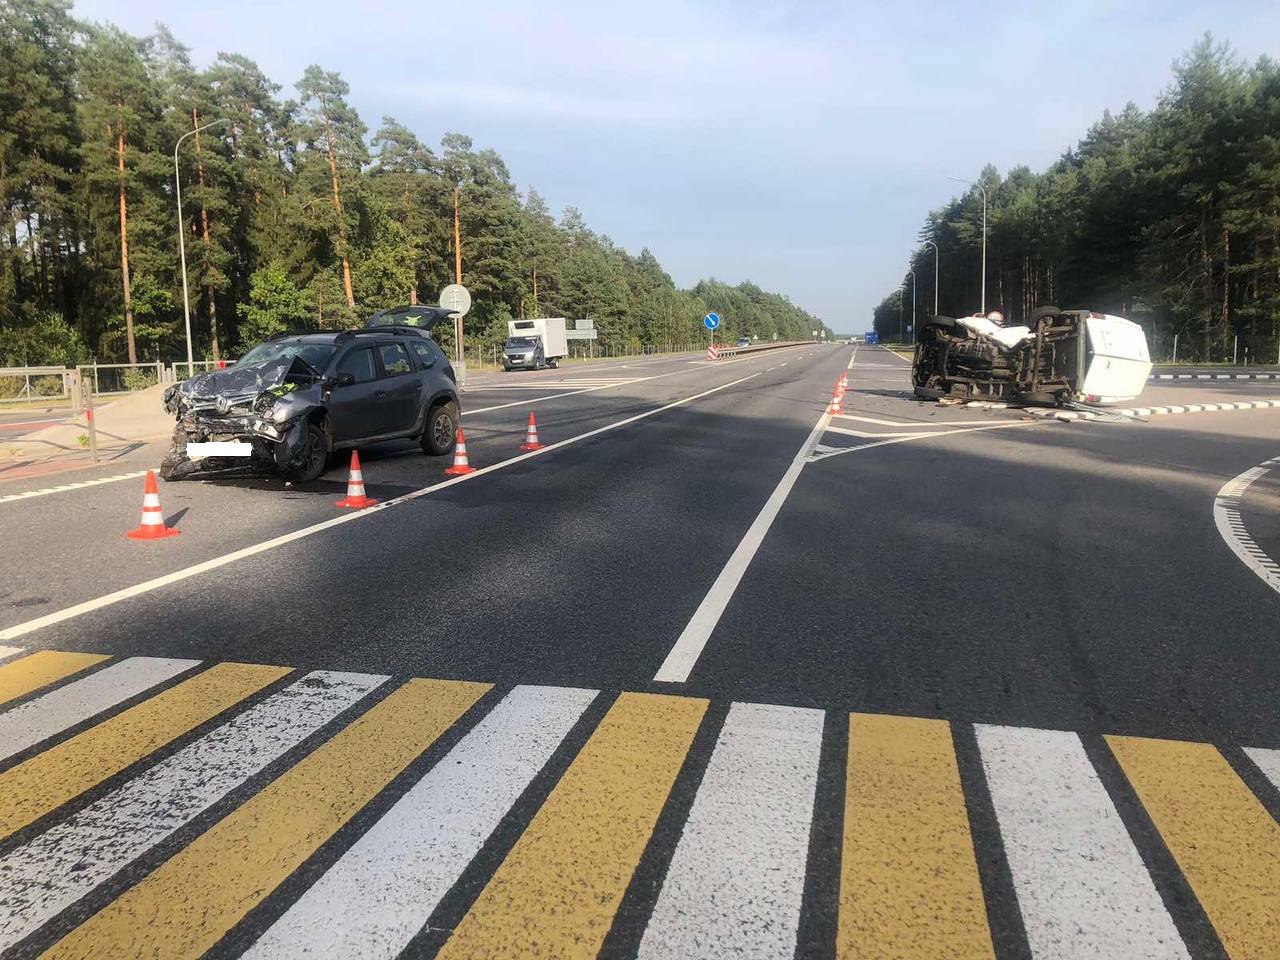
x=297 y=397
x=534 y=344
x=1063 y=356
x=743 y=342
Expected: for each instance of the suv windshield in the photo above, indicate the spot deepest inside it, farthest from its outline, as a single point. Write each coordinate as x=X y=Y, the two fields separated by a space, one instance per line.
x=520 y=342
x=315 y=355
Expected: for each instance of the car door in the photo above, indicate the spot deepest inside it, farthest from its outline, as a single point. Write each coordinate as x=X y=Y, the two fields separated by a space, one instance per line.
x=401 y=397
x=354 y=407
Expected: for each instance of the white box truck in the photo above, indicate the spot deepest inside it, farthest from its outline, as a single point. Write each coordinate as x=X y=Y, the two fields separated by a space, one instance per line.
x=534 y=344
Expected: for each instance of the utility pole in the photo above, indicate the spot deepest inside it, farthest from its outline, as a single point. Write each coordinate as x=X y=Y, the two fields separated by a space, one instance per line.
x=936 y=257
x=457 y=268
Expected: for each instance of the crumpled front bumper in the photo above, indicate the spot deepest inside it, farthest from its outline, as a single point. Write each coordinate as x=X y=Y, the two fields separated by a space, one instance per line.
x=276 y=448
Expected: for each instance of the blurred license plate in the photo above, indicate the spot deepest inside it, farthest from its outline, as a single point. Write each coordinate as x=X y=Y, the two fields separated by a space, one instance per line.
x=221 y=448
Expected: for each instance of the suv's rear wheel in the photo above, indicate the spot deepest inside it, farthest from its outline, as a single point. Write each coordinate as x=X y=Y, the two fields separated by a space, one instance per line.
x=314 y=459
x=441 y=430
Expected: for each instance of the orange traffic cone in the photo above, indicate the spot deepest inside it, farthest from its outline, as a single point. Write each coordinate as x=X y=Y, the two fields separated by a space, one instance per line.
x=835 y=401
x=844 y=381
x=355 y=498
x=152 y=526
x=531 y=435
x=460 y=462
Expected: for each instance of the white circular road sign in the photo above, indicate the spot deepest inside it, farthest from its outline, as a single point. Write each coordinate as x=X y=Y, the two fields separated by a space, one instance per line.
x=457 y=298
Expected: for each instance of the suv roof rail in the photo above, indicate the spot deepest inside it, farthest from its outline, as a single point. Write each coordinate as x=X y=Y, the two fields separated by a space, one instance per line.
x=294 y=333
x=383 y=331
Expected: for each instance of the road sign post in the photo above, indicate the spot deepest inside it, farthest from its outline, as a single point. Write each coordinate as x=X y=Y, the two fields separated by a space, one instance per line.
x=457 y=298
x=711 y=321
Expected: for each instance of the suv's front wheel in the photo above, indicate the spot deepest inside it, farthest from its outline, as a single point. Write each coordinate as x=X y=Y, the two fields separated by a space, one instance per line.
x=314 y=459
x=441 y=430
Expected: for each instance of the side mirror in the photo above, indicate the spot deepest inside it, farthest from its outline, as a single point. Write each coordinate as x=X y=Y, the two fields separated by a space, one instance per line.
x=340 y=380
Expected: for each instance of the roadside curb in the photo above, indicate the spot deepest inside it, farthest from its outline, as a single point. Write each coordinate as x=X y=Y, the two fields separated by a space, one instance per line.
x=1069 y=415
x=1213 y=376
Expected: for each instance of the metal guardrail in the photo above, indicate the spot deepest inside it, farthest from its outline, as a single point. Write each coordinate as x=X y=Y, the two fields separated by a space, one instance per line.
x=727 y=352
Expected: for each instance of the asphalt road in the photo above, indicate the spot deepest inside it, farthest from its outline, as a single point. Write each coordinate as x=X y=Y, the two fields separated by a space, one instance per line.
x=714 y=674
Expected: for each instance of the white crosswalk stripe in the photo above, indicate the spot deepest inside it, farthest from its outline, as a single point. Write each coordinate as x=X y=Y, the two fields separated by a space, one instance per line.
x=380 y=893
x=9 y=651
x=1081 y=885
x=58 y=867
x=1268 y=762
x=753 y=807
x=61 y=709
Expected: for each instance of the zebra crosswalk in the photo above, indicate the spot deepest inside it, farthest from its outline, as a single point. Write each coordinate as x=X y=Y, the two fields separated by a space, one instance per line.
x=167 y=807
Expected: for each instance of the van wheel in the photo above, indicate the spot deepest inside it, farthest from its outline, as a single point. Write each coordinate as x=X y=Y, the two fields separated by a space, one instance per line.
x=441 y=431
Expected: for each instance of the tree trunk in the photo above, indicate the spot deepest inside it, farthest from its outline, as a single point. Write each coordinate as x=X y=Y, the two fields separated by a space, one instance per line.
x=124 y=247
x=535 y=289
x=204 y=226
x=342 y=226
x=1226 y=285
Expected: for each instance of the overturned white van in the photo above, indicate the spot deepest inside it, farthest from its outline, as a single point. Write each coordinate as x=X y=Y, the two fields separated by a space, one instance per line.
x=1062 y=356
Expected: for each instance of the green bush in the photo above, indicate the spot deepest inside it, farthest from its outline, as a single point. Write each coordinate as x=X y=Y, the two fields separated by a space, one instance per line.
x=137 y=379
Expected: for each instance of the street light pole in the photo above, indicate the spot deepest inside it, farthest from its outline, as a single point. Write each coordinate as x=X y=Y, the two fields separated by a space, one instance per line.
x=913 y=302
x=975 y=183
x=936 y=257
x=182 y=240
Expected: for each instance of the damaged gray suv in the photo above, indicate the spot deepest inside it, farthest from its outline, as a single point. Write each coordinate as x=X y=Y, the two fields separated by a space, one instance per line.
x=298 y=397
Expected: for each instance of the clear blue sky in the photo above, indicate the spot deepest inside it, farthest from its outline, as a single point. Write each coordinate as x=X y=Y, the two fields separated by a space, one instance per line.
x=798 y=145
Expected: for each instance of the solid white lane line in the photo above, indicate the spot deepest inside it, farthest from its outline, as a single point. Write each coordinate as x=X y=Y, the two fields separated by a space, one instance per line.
x=52 y=871
x=60 y=709
x=185 y=573
x=925 y=436
x=1226 y=517
x=377 y=897
x=1081 y=885
x=1268 y=762
x=28 y=494
x=688 y=646
x=849 y=432
x=9 y=651
x=552 y=396
x=735 y=882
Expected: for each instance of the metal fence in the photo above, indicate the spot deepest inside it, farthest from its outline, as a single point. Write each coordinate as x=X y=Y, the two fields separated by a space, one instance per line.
x=23 y=384
x=114 y=378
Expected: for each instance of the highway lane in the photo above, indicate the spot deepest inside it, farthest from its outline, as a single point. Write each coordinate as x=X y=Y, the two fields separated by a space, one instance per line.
x=953 y=641
x=221 y=516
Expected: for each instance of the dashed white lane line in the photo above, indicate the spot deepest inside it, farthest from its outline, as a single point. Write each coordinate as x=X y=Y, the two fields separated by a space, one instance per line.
x=1082 y=888
x=377 y=897
x=64 y=487
x=1226 y=517
x=754 y=806
x=63 y=708
x=56 y=868
x=58 y=616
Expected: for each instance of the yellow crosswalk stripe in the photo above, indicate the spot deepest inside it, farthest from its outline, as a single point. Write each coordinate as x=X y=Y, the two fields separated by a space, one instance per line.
x=189 y=903
x=63 y=772
x=40 y=669
x=908 y=879
x=557 y=892
x=1223 y=839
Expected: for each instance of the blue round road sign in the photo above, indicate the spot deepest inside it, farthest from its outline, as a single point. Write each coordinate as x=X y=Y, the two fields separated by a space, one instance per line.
x=712 y=320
